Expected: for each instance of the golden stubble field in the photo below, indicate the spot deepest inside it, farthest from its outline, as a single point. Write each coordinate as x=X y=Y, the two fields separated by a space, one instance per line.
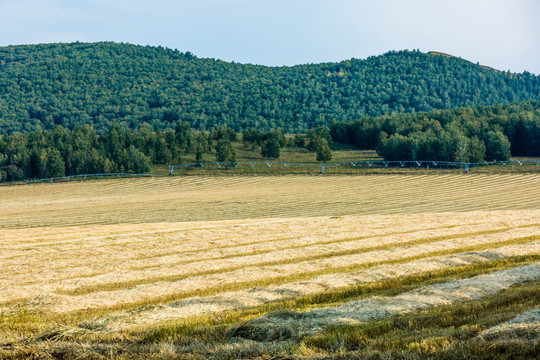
x=127 y=256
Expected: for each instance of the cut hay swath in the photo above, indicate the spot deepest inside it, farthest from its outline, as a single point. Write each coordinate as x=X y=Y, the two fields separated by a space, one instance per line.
x=523 y=327
x=226 y=301
x=97 y=273
x=131 y=254
x=283 y=325
x=183 y=199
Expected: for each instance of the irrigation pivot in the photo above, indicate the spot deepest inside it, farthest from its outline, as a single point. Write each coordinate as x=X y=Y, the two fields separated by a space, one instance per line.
x=360 y=164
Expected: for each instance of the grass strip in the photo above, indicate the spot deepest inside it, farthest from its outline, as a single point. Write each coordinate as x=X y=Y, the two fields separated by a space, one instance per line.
x=83 y=290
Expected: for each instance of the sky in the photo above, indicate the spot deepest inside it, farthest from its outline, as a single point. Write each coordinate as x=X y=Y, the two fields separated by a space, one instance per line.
x=503 y=34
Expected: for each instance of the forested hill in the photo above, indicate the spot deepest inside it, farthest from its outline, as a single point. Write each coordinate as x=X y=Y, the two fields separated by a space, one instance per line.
x=42 y=86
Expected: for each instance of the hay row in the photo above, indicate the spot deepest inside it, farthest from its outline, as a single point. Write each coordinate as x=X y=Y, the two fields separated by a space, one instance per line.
x=49 y=297
x=197 y=306
x=82 y=261
x=523 y=328
x=149 y=244
x=220 y=234
x=283 y=263
x=283 y=325
x=181 y=199
x=190 y=268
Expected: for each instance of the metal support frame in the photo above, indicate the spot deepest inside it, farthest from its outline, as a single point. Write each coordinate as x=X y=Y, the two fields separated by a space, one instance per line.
x=367 y=163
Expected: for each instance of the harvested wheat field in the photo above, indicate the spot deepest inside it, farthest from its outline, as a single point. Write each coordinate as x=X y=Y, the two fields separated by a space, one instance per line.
x=264 y=267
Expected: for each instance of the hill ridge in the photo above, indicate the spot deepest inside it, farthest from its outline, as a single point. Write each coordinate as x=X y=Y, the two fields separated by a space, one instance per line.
x=98 y=84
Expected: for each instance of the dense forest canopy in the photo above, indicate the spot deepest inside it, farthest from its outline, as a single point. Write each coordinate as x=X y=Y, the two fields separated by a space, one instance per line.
x=458 y=135
x=101 y=84
x=61 y=152
x=465 y=135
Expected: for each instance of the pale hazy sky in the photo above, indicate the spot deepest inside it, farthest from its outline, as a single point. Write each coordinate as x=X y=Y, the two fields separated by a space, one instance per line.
x=504 y=34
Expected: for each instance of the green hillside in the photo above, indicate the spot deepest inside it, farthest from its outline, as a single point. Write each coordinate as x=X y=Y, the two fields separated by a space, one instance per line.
x=42 y=86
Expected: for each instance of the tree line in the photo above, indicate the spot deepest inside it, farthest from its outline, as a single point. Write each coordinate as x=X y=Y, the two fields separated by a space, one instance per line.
x=464 y=135
x=102 y=84
x=63 y=152
x=60 y=152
